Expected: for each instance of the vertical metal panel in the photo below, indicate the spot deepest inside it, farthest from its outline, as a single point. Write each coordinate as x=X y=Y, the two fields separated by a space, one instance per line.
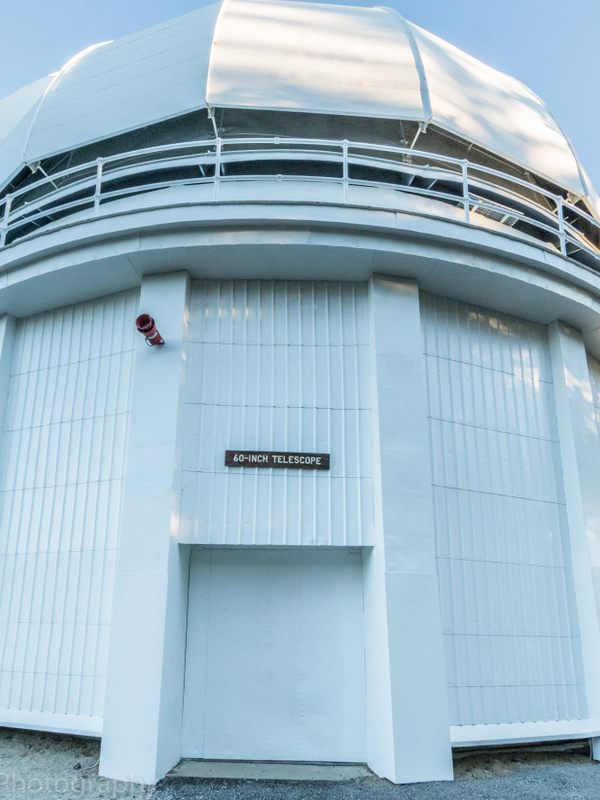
x=594 y=367
x=512 y=643
x=278 y=366
x=61 y=464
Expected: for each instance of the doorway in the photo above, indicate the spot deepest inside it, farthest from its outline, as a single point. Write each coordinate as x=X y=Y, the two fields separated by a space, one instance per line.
x=275 y=656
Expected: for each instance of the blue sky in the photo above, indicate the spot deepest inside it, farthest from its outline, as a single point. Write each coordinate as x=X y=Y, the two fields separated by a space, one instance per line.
x=551 y=45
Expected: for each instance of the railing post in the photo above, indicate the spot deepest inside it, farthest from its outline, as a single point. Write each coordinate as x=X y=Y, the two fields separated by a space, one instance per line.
x=345 y=169
x=464 y=165
x=561 y=225
x=219 y=142
x=98 y=189
x=4 y=225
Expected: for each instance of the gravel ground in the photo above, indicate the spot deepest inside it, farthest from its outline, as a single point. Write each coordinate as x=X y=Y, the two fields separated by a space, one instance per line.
x=49 y=767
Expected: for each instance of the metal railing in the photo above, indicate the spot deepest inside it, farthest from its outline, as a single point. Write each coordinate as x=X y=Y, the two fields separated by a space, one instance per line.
x=474 y=191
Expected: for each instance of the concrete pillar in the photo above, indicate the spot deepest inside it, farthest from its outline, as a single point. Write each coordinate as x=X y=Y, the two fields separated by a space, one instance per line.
x=144 y=692
x=408 y=736
x=580 y=453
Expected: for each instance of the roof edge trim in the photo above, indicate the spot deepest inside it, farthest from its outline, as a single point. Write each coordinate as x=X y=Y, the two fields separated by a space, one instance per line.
x=585 y=180
x=213 y=42
x=121 y=132
x=419 y=66
x=55 y=78
x=512 y=160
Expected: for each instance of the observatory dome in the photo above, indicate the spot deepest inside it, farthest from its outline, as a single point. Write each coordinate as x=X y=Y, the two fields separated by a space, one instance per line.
x=285 y=56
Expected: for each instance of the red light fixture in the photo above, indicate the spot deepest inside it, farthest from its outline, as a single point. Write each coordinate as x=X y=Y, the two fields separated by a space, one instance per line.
x=147 y=327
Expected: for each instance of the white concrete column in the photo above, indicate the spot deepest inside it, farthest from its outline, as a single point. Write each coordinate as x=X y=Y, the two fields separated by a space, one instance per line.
x=144 y=692
x=580 y=452
x=408 y=736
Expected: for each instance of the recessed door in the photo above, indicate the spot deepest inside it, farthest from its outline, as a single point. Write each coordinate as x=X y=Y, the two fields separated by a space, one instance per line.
x=275 y=656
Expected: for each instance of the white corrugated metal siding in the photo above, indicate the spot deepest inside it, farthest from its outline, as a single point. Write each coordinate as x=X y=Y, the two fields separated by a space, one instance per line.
x=62 y=459
x=512 y=644
x=594 y=367
x=278 y=366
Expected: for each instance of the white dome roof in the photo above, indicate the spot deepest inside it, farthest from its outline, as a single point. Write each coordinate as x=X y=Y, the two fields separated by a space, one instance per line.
x=279 y=55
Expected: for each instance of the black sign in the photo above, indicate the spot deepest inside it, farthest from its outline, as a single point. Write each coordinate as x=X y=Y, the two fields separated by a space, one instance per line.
x=266 y=458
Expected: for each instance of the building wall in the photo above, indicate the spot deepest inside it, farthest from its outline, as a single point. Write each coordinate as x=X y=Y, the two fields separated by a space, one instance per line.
x=278 y=366
x=61 y=464
x=285 y=365
x=508 y=615
x=594 y=367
